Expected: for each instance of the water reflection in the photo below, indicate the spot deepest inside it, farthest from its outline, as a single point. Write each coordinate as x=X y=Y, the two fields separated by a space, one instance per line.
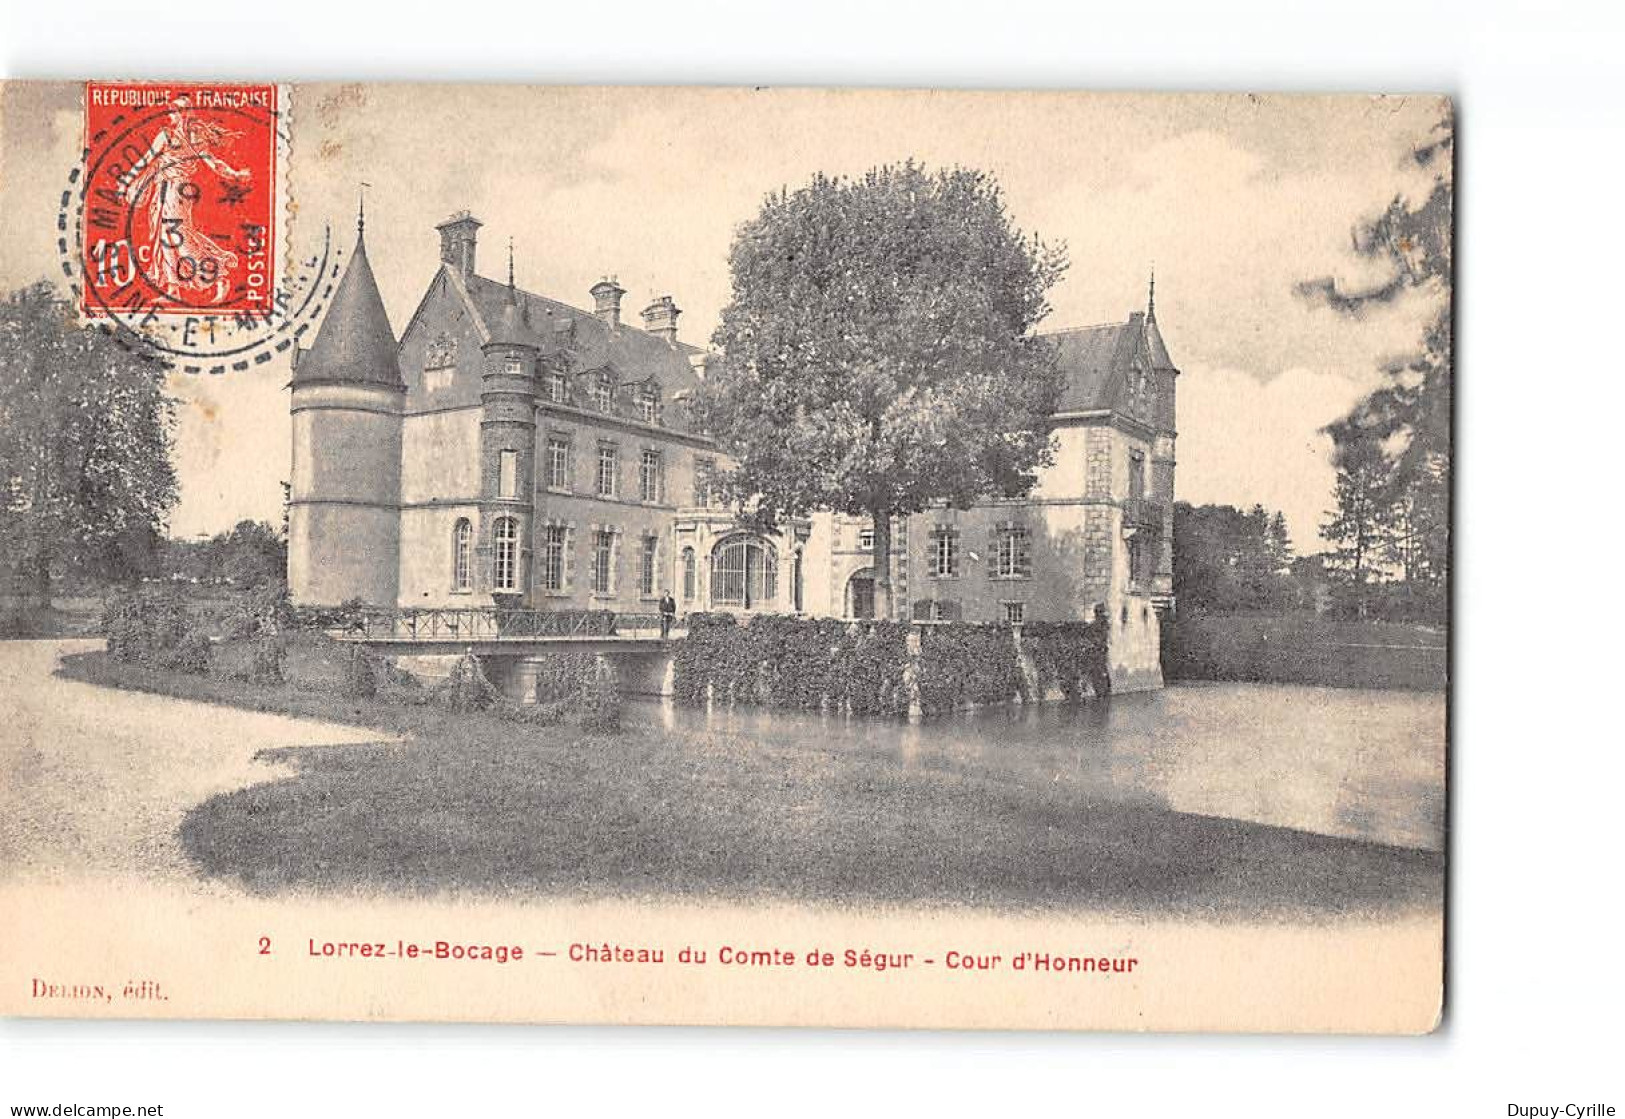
x=1350 y=763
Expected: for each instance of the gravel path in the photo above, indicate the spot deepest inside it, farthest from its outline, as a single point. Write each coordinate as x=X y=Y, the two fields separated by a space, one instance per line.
x=95 y=782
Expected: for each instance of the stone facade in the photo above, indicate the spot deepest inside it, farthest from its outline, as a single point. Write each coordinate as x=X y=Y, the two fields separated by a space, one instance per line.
x=514 y=449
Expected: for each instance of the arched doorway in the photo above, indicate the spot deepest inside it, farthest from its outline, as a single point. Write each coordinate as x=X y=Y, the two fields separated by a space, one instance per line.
x=744 y=572
x=860 y=594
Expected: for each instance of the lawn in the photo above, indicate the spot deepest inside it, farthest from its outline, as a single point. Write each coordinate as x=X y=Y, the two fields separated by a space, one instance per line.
x=475 y=805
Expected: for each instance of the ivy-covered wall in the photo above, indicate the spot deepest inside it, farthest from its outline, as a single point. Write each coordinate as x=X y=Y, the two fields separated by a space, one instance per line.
x=883 y=668
x=780 y=661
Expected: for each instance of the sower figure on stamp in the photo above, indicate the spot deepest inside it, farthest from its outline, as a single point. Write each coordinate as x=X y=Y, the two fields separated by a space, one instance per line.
x=668 y=614
x=183 y=257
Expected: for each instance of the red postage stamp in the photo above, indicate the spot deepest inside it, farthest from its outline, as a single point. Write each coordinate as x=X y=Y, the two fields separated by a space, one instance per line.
x=180 y=200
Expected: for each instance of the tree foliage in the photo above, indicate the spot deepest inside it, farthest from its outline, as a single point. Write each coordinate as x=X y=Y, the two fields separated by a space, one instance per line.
x=1228 y=561
x=878 y=353
x=253 y=554
x=85 y=438
x=1390 y=542
x=1401 y=430
x=1357 y=528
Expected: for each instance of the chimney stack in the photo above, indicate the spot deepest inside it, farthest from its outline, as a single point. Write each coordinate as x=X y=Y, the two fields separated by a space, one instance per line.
x=606 y=301
x=660 y=318
x=458 y=235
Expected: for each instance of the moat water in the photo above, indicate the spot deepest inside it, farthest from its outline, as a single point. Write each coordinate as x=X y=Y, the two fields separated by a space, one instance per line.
x=1358 y=764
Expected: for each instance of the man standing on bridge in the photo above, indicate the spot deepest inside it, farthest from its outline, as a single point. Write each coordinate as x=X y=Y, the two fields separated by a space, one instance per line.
x=668 y=613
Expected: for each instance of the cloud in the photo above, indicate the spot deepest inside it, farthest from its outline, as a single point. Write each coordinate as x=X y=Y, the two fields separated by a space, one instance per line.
x=1242 y=440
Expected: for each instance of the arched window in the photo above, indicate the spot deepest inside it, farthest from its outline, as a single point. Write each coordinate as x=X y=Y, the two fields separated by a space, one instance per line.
x=688 y=575
x=462 y=555
x=505 y=558
x=744 y=572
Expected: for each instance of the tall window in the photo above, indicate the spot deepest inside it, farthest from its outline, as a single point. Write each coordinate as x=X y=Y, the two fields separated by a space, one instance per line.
x=553 y=545
x=649 y=404
x=603 y=391
x=944 y=558
x=558 y=387
x=558 y=462
x=1136 y=473
x=603 y=561
x=704 y=476
x=647 y=568
x=1012 y=554
x=508 y=474
x=650 y=476
x=609 y=467
x=1136 y=558
x=688 y=575
x=505 y=561
x=744 y=572
x=462 y=555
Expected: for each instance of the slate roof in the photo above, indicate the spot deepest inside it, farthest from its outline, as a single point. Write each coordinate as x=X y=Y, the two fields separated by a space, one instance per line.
x=635 y=355
x=1159 y=352
x=355 y=342
x=1097 y=360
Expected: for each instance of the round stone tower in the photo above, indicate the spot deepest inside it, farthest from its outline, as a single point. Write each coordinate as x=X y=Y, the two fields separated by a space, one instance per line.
x=508 y=389
x=344 y=504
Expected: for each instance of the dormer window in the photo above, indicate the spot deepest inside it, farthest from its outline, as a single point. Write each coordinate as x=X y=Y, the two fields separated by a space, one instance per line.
x=649 y=404
x=558 y=387
x=603 y=391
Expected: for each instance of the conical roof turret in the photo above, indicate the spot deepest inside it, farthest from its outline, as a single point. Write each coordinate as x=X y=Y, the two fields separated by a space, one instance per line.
x=511 y=328
x=1153 y=336
x=355 y=342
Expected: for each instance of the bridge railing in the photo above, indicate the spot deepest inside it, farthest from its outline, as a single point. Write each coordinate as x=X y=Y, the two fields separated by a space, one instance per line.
x=494 y=623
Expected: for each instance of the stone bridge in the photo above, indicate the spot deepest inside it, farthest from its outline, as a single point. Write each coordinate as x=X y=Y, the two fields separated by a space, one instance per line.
x=512 y=644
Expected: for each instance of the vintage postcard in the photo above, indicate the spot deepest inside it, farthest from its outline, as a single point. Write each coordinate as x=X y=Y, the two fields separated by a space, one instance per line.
x=755 y=557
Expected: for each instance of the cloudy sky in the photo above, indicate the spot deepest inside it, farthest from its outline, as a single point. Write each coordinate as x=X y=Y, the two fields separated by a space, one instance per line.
x=1234 y=198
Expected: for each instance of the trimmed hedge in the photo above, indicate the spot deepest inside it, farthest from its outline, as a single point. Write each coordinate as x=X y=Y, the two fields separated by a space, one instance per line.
x=968 y=663
x=780 y=661
x=865 y=668
x=1065 y=655
x=1305 y=649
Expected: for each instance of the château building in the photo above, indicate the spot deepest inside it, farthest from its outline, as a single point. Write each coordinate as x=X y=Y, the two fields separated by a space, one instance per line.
x=511 y=449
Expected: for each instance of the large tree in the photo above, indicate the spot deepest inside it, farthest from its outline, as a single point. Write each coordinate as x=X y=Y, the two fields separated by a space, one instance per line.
x=879 y=355
x=85 y=438
x=1409 y=413
x=1227 y=560
x=1360 y=528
